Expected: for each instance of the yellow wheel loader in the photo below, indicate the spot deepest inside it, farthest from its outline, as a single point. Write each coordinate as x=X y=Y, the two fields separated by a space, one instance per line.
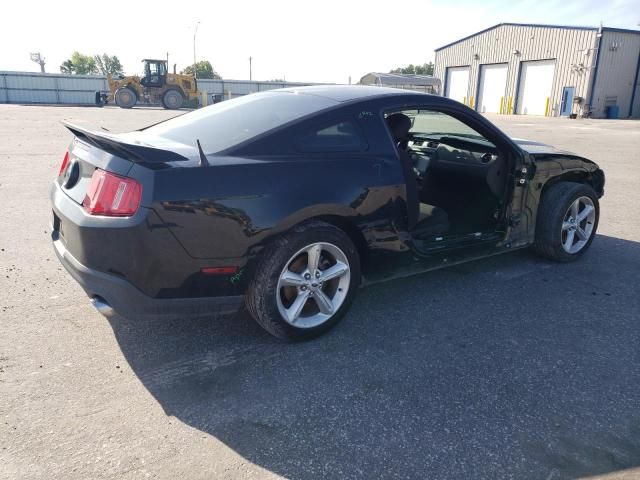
x=157 y=86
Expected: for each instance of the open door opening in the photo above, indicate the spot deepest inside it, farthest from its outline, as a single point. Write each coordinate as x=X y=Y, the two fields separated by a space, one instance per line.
x=456 y=179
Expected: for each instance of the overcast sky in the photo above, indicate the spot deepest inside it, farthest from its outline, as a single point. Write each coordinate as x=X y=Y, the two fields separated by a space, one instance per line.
x=319 y=41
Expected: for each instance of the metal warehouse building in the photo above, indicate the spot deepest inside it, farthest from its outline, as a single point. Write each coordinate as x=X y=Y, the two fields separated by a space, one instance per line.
x=547 y=70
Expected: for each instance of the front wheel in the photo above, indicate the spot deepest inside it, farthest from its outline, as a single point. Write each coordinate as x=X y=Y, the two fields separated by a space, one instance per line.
x=567 y=221
x=305 y=282
x=125 y=97
x=172 y=99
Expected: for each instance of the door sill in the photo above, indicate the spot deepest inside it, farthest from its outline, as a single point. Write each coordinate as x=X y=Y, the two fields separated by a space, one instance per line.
x=438 y=243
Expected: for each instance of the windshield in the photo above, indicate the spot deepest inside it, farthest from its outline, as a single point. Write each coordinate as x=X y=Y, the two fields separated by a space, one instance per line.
x=429 y=122
x=228 y=123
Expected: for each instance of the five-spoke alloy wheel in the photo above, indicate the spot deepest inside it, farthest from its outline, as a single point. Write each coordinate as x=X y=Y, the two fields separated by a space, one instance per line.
x=305 y=283
x=313 y=285
x=578 y=224
x=567 y=221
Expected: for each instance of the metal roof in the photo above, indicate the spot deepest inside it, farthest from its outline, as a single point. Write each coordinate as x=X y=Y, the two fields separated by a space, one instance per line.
x=539 y=25
x=402 y=79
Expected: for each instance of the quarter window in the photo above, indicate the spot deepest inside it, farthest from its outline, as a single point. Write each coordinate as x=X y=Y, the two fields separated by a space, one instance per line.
x=338 y=137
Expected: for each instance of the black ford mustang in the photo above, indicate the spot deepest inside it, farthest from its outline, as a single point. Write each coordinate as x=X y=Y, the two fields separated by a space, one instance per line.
x=287 y=200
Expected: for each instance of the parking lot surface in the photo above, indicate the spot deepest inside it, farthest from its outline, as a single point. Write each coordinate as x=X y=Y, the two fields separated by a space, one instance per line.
x=510 y=367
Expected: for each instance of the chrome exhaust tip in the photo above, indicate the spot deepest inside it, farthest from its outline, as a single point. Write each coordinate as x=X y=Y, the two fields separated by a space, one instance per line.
x=102 y=306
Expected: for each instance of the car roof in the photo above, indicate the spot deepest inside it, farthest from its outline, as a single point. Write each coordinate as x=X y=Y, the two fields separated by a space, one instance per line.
x=345 y=93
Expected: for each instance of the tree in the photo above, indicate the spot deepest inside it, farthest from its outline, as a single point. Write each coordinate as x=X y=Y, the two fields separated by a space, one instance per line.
x=203 y=70
x=66 y=67
x=79 y=64
x=424 y=69
x=108 y=65
x=39 y=59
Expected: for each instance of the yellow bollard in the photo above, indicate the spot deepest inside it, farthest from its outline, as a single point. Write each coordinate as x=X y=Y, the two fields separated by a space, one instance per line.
x=546 y=108
x=510 y=107
x=471 y=100
x=501 y=105
x=205 y=98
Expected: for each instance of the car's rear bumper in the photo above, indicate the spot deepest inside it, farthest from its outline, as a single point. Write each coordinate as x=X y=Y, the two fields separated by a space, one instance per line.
x=136 y=264
x=111 y=294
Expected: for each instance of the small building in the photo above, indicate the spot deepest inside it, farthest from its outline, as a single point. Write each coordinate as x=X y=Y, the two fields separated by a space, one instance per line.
x=550 y=70
x=420 y=83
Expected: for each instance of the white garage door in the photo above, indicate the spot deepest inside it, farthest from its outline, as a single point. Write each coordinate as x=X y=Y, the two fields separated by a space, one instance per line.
x=457 y=83
x=536 y=79
x=493 y=81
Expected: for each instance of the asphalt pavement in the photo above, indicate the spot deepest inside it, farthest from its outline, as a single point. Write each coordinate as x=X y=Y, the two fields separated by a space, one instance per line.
x=509 y=367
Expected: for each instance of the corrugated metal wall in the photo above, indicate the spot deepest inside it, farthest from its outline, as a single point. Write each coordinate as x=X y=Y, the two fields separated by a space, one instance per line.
x=224 y=89
x=617 y=72
x=25 y=87
x=567 y=46
x=636 y=98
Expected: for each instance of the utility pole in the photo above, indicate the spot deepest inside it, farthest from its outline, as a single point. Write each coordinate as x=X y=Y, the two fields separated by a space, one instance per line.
x=36 y=57
x=194 y=49
x=250 y=73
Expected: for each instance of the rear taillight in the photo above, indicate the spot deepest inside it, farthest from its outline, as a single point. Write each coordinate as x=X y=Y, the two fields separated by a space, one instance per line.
x=65 y=162
x=112 y=195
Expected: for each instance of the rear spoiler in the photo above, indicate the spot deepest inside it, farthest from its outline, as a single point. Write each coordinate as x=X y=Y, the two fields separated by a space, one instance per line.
x=131 y=151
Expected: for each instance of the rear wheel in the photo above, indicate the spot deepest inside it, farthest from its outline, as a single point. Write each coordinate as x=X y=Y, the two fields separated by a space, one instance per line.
x=305 y=282
x=567 y=221
x=172 y=99
x=125 y=97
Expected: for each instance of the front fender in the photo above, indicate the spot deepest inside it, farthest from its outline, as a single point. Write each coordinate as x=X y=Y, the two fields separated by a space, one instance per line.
x=549 y=170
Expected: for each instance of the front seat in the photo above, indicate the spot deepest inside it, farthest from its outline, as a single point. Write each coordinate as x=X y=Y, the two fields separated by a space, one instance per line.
x=424 y=219
x=399 y=125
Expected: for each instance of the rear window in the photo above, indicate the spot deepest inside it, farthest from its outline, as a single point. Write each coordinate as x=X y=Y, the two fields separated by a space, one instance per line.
x=226 y=124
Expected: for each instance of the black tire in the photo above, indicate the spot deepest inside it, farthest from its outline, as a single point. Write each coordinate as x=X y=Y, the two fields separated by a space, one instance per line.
x=261 y=298
x=172 y=99
x=126 y=97
x=554 y=206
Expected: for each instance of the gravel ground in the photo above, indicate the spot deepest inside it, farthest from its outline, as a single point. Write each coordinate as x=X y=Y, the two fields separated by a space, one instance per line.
x=510 y=367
